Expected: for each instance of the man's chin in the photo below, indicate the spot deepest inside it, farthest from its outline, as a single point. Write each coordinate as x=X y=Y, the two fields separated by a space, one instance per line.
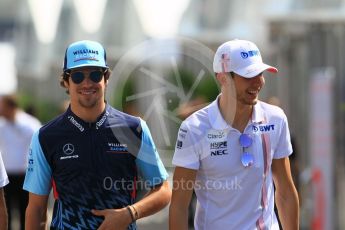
x=88 y=104
x=252 y=102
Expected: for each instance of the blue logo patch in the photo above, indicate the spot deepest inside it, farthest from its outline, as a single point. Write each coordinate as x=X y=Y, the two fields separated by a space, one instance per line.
x=263 y=128
x=250 y=53
x=117 y=148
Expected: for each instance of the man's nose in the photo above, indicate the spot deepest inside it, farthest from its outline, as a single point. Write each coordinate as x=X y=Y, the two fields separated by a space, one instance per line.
x=87 y=80
x=259 y=80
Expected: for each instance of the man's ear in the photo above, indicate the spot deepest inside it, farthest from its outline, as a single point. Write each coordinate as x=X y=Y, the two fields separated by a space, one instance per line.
x=106 y=76
x=64 y=81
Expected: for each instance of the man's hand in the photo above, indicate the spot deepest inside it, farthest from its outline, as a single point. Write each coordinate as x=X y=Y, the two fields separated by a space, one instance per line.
x=118 y=219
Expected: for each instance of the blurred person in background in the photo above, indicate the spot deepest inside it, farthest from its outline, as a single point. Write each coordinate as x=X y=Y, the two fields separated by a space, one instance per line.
x=16 y=130
x=31 y=109
x=92 y=155
x=188 y=108
x=3 y=209
x=231 y=151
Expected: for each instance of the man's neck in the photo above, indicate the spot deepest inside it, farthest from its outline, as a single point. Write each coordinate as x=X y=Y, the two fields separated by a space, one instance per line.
x=10 y=116
x=235 y=114
x=242 y=117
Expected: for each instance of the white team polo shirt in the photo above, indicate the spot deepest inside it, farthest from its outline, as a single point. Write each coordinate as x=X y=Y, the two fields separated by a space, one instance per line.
x=3 y=175
x=15 y=138
x=229 y=195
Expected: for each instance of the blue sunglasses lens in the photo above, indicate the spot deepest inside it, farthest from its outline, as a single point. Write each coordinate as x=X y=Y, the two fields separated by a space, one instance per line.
x=245 y=140
x=247 y=159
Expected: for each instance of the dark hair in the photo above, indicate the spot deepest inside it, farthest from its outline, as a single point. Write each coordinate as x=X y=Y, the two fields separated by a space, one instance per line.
x=10 y=101
x=232 y=74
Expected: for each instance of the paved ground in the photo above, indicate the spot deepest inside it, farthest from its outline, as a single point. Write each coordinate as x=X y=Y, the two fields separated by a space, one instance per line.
x=158 y=221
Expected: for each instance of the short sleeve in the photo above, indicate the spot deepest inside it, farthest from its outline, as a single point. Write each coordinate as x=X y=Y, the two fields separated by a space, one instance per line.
x=148 y=161
x=3 y=175
x=38 y=174
x=185 y=152
x=284 y=147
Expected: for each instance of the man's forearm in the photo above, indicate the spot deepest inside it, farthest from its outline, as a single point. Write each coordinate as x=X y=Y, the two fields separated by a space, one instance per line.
x=3 y=218
x=154 y=201
x=288 y=209
x=35 y=219
x=178 y=218
x=3 y=211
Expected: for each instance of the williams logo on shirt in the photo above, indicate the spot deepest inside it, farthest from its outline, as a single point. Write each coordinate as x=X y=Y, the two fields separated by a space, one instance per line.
x=117 y=148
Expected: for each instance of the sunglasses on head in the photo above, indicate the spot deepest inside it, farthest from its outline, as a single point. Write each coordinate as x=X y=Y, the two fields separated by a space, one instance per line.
x=79 y=76
x=246 y=141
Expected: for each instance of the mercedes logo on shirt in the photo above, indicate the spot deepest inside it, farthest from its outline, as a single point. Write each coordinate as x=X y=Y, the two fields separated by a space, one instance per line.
x=68 y=149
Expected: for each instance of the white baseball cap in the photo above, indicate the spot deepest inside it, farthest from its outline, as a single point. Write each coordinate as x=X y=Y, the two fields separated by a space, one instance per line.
x=241 y=57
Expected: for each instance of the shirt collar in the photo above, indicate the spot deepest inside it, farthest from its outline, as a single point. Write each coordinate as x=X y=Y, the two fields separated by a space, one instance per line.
x=81 y=125
x=258 y=115
x=217 y=121
x=215 y=117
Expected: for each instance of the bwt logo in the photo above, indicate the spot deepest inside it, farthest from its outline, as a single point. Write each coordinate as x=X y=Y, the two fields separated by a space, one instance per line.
x=263 y=128
x=250 y=53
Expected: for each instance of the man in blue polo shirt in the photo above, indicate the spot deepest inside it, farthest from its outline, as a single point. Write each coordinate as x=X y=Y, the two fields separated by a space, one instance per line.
x=92 y=155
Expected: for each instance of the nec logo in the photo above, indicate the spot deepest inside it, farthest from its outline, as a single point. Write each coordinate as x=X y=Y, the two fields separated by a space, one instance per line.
x=219 y=152
x=263 y=128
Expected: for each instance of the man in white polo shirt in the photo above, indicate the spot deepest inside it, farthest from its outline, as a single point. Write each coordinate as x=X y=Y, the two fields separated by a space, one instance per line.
x=3 y=182
x=232 y=151
x=16 y=130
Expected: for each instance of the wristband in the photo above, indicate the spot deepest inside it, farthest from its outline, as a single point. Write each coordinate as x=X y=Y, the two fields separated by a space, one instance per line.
x=130 y=213
x=136 y=214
